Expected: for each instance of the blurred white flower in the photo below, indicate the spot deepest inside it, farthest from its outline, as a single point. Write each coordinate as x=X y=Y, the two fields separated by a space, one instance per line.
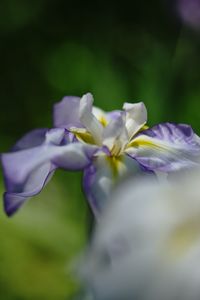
x=189 y=11
x=147 y=243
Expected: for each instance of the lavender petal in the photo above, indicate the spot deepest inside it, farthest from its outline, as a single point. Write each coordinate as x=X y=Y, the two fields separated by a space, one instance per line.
x=166 y=147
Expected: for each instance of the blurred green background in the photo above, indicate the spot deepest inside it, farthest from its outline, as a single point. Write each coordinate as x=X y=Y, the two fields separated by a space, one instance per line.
x=48 y=49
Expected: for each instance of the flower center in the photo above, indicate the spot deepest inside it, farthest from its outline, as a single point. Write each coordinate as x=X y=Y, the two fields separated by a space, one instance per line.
x=116 y=149
x=115 y=163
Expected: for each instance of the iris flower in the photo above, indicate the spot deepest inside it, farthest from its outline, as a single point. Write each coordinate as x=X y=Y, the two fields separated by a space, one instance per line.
x=105 y=145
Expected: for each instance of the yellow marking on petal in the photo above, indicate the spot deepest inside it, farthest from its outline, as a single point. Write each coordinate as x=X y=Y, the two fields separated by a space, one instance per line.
x=83 y=135
x=115 y=163
x=182 y=239
x=103 y=121
x=144 y=128
x=146 y=143
x=116 y=149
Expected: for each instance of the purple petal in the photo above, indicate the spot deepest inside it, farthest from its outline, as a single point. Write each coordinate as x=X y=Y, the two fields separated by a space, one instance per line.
x=56 y=136
x=21 y=185
x=88 y=181
x=27 y=171
x=31 y=139
x=19 y=165
x=66 y=112
x=166 y=147
x=97 y=184
x=172 y=132
x=14 y=198
x=114 y=114
x=74 y=157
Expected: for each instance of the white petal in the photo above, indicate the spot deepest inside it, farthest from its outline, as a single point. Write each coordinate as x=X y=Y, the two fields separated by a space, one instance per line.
x=115 y=135
x=147 y=243
x=103 y=175
x=89 y=120
x=101 y=115
x=136 y=117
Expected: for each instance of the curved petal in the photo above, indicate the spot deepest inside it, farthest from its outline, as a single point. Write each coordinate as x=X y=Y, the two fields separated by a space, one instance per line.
x=105 y=117
x=19 y=189
x=166 y=147
x=27 y=171
x=114 y=128
x=19 y=165
x=56 y=136
x=89 y=120
x=74 y=157
x=15 y=198
x=97 y=184
x=115 y=135
x=113 y=114
x=103 y=175
x=100 y=115
x=31 y=139
x=66 y=112
x=136 y=117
